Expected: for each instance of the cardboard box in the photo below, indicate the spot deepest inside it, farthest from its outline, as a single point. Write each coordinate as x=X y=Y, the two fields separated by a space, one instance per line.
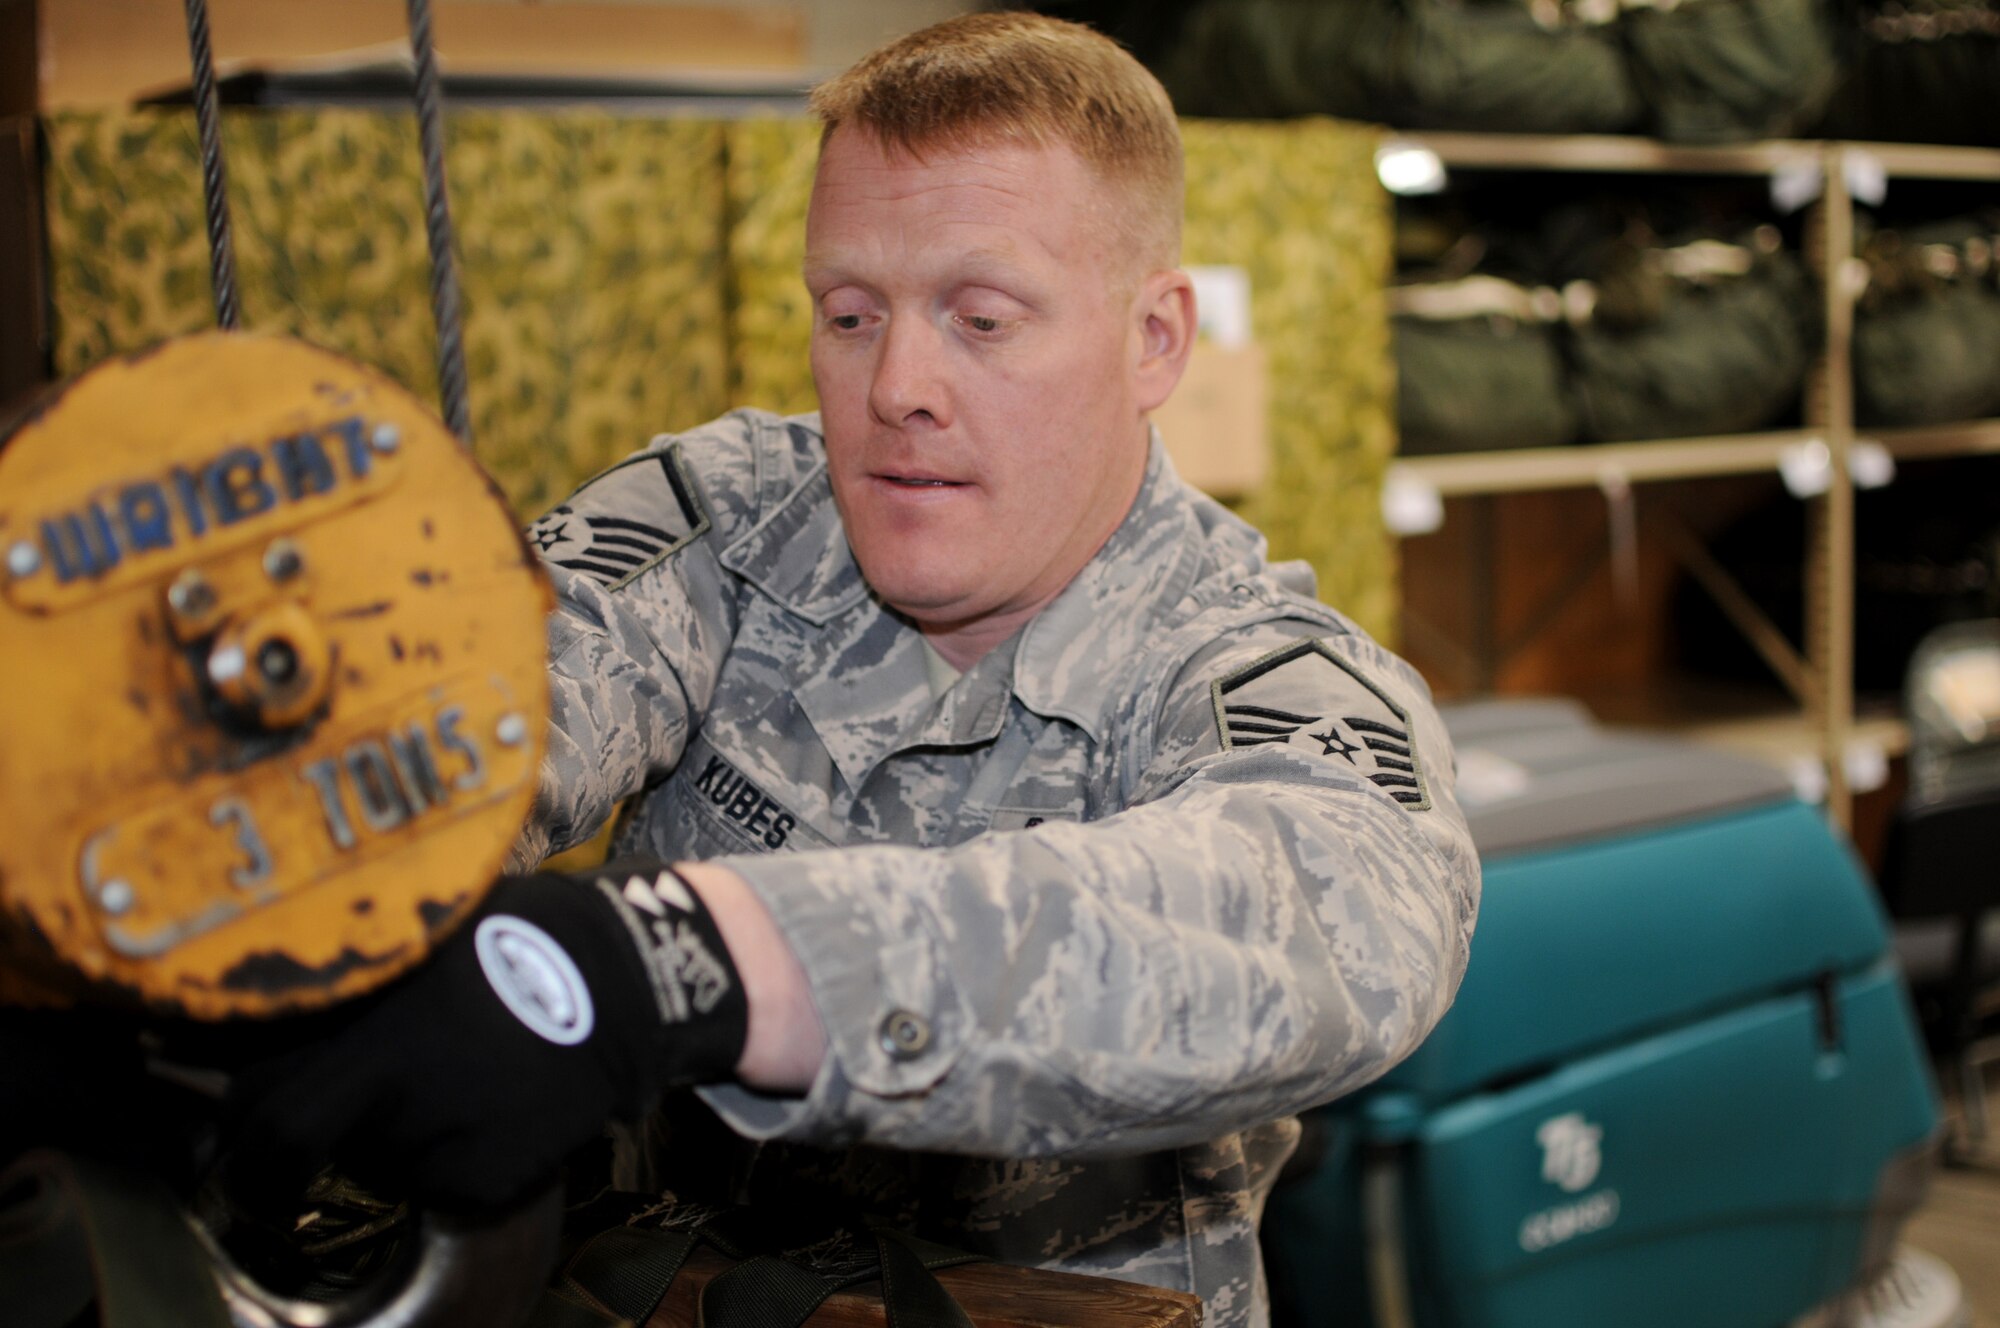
x=1214 y=423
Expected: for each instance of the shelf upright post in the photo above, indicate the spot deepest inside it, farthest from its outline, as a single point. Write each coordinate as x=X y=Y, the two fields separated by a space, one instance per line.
x=1486 y=595
x=1830 y=518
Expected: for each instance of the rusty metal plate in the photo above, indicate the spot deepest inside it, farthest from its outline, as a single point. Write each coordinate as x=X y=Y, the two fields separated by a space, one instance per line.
x=277 y=690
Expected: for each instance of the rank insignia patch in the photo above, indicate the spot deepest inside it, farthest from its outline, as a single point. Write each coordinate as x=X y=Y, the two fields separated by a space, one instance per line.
x=623 y=521
x=1308 y=698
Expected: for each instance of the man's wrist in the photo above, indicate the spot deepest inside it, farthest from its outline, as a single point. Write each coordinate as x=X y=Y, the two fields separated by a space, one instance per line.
x=786 y=1042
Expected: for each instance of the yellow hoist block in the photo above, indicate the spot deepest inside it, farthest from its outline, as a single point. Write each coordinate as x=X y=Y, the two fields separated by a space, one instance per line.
x=275 y=685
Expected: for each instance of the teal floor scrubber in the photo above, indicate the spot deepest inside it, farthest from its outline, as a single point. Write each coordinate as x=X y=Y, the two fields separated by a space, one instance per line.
x=1681 y=1087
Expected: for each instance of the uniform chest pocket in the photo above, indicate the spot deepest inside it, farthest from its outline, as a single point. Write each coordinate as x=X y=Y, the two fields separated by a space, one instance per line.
x=1027 y=818
x=1042 y=780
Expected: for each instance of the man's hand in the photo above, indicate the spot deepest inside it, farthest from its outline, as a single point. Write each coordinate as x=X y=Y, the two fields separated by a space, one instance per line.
x=563 y=1004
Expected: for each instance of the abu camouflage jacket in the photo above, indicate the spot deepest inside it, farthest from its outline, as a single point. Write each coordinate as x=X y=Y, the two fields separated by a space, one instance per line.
x=1176 y=862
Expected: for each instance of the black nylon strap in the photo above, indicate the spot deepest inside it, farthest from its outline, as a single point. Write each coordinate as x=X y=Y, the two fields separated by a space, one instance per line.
x=764 y=1292
x=624 y=1273
x=627 y=1270
x=561 y=1309
x=912 y=1297
x=147 y=1269
x=932 y=1255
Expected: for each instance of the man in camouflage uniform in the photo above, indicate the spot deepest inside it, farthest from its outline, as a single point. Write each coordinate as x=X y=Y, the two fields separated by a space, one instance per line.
x=1042 y=848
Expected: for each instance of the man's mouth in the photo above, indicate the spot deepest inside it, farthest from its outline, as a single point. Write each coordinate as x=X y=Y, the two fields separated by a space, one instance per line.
x=921 y=482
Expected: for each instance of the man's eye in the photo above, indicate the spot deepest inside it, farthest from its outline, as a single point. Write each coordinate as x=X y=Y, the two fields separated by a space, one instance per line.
x=846 y=322
x=980 y=324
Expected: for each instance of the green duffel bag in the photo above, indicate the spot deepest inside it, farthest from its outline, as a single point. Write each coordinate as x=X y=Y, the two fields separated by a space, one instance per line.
x=1713 y=71
x=1265 y=59
x=1720 y=344
x=1418 y=64
x=1927 y=329
x=1918 y=71
x=1478 y=368
x=1493 y=65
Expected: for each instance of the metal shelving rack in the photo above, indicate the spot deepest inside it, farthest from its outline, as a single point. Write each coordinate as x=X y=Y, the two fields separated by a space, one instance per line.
x=1822 y=679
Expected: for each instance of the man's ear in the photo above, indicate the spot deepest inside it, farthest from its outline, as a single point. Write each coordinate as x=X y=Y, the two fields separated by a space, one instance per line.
x=1165 y=312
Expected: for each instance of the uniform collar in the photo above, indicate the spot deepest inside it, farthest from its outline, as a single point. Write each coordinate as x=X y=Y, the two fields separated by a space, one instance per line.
x=798 y=553
x=861 y=681
x=1066 y=662
x=862 y=684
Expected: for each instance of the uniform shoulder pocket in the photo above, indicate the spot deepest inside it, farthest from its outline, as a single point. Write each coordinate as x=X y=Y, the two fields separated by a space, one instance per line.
x=1308 y=698
x=626 y=520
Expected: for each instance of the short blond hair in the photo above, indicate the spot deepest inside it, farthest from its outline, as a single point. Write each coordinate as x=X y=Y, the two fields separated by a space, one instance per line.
x=1029 y=79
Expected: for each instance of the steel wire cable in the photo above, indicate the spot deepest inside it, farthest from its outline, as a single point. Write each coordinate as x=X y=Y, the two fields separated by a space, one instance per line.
x=214 y=178
x=437 y=226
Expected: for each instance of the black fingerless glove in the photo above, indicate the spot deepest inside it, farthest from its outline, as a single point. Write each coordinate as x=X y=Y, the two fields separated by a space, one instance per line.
x=564 y=1003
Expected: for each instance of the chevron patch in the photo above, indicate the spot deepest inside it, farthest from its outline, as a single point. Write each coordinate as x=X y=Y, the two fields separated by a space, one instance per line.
x=624 y=521
x=1309 y=699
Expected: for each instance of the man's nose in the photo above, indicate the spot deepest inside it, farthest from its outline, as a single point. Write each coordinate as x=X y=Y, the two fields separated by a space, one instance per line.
x=909 y=382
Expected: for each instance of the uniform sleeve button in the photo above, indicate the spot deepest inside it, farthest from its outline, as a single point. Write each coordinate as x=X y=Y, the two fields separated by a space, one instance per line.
x=905 y=1035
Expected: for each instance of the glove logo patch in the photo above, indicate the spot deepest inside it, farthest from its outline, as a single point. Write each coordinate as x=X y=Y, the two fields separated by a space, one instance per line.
x=687 y=976
x=1310 y=699
x=535 y=979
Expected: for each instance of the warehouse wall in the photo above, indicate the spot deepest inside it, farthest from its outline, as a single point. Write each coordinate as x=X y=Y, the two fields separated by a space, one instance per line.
x=95 y=53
